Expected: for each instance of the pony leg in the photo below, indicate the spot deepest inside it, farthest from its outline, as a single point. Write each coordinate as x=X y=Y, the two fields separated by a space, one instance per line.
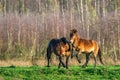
x=48 y=65
x=100 y=56
x=48 y=60
x=60 y=62
x=95 y=62
x=48 y=56
x=87 y=59
x=67 y=58
x=72 y=53
x=78 y=58
x=59 y=65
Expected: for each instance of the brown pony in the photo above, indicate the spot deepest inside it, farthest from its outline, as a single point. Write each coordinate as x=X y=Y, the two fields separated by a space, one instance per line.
x=61 y=47
x=85 y=46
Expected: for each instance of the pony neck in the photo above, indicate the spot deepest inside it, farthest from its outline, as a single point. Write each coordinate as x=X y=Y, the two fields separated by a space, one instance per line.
x=77 y=38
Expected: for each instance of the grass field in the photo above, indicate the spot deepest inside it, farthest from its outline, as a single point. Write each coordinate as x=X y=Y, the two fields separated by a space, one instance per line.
x=53 y=73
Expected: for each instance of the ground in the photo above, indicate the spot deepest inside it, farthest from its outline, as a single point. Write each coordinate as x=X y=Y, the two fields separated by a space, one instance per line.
x=53 y=73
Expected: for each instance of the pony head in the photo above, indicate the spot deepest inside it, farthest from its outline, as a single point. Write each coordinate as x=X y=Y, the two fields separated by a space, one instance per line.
x=73 y=33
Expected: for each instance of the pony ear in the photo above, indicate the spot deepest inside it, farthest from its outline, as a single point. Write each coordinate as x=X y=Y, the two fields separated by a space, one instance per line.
x=73 y=31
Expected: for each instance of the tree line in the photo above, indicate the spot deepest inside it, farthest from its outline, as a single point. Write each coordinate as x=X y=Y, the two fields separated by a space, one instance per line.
x=26 y=26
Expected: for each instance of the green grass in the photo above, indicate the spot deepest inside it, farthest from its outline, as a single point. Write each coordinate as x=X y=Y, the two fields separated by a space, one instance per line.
x=53 y=73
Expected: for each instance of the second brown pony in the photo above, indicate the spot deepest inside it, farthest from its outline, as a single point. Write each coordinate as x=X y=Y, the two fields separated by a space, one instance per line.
x=85 y=46
x=61 y=47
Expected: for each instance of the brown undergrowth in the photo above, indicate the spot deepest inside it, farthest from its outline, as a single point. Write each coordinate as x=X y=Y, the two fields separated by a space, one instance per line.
x=54 y=61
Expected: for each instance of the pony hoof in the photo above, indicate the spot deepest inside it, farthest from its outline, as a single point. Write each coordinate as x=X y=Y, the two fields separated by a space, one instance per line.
x=66 y=67
x=83 y=66
x=72 y=56
x=48 y=66
x=58 y=67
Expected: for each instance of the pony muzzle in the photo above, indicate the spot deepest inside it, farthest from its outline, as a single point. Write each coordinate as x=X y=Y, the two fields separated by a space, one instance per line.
x=71 y=41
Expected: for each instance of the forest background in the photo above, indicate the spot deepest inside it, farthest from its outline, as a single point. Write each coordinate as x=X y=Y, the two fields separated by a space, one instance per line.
x=26 y=26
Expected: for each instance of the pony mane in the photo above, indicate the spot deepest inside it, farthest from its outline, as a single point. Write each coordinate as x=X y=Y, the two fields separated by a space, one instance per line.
x=64 y=40
x=73 y=31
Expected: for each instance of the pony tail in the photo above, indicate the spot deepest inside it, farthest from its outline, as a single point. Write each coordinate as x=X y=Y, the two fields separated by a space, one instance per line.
x=100 y=56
